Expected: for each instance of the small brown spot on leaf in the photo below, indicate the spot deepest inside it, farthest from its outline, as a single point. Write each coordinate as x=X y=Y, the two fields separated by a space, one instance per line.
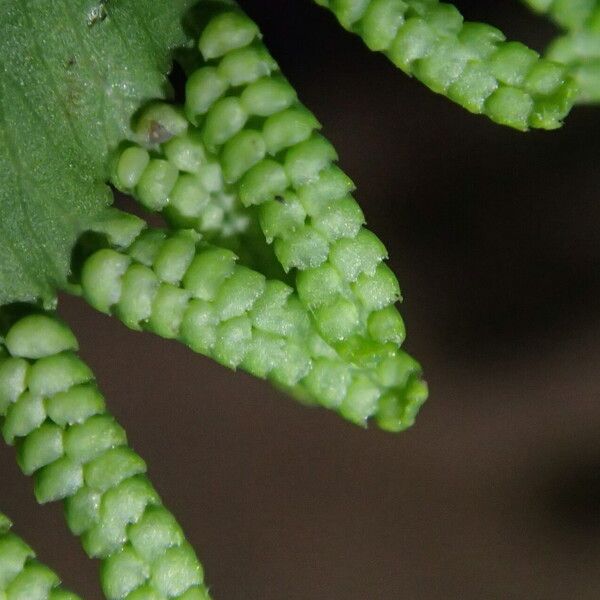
x=158 y=133
x=97 y=14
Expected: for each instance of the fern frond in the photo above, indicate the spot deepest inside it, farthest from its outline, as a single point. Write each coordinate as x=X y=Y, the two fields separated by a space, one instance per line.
x=569 y=14
x=179 y=287
x=22 y=577
x=53 y=412
x=246 y=119
x=470 y=63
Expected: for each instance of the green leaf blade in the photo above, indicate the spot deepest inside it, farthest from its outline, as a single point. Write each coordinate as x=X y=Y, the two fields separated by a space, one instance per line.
x=72 y=73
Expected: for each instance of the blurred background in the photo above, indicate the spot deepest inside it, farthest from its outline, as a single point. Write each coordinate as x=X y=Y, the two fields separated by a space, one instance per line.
x=495 y=493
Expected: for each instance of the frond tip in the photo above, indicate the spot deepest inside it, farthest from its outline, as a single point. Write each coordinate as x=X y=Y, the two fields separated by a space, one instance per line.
x=470 y=63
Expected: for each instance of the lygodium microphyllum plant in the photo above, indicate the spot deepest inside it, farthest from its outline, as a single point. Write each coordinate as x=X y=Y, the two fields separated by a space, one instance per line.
x=265 y=265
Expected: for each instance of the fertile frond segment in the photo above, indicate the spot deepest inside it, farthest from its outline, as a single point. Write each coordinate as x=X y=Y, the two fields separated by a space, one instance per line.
x=470 y=63
x=570 y=14
x=580 y=52
x=579 y=48
x=245 y=119
x=182 y=180
x=22 y=577
x=179 y=287
x=52 y=410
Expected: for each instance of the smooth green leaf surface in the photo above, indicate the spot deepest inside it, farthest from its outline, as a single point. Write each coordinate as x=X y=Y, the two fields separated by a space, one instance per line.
x=72 y=73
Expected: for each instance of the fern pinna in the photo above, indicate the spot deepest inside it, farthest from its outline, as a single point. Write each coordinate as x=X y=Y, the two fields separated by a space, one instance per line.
x=22 y=577
x=266 y=264
x=578 y=47
x=53 y=411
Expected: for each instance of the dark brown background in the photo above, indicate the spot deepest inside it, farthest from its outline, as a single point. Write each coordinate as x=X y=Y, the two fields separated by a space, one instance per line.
x=495 y=493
